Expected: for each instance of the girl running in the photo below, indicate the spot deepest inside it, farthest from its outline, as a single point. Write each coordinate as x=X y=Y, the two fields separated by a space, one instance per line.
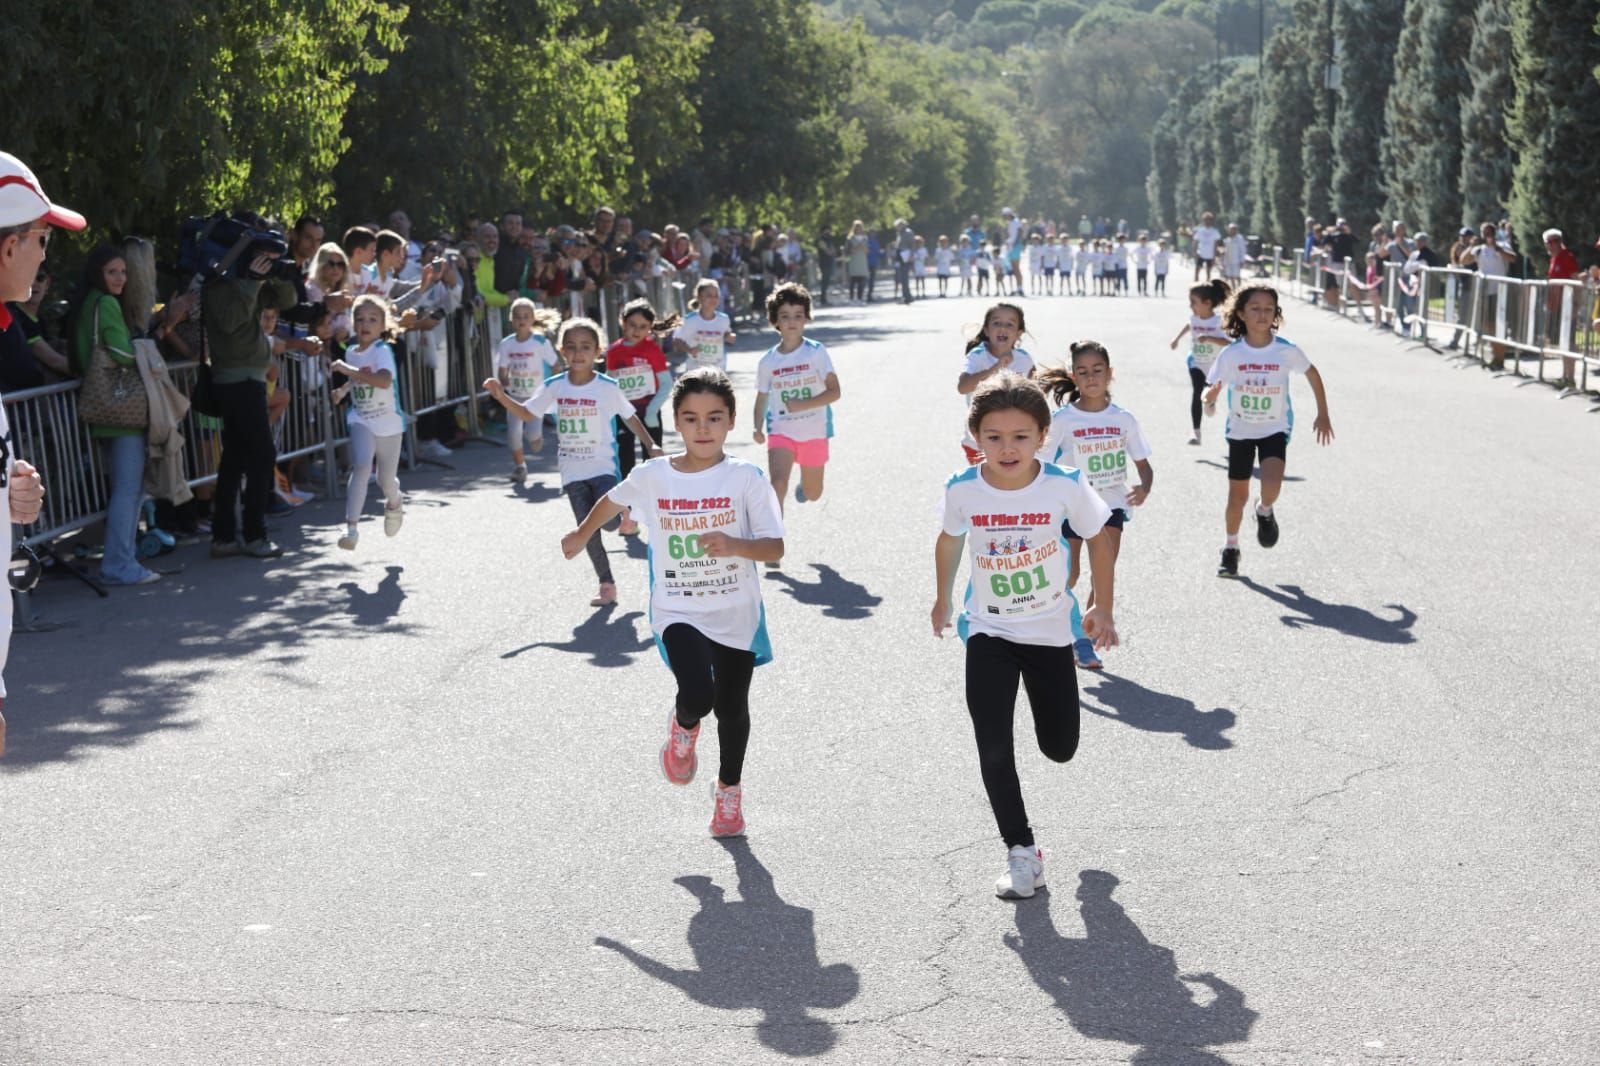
x=1256 y=369
x=587 y=405
x=1206 y=340
x=1016 y=617
x=993 y=351
x=985 y=261
x=377 y=428
x=705 y=335
x=799 y=372
x=704 y=511
x=944 y=258
x=639 y=367
x=1097 y=438
x=522 y=360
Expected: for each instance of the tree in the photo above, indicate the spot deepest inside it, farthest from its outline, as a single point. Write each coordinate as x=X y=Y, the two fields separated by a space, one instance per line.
x=1314 y=25
x=1485 y=155
x=1554 y=119
x=1403 y=124
x=1286 y=110
x=1166 y=141
x=1232 y=118
x=1367 y=30
x=1423 y=144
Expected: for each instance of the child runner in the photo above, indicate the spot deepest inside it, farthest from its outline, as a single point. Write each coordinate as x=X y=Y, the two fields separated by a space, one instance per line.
x=1015 y=618
x=1098 y=439
x=587 y=405
x=1141 y=264
x=1256 y=369
x=522 y=360
x=944 y=258
x=919 y=266
x=1083 y=261
x=705 y=335
x=1050 y=259
x=1162 y=261
x=966 y=254
x=377 y=428
x=640 y=368
x=993 y=351
x=1206 y=340
x=800 y=372
x=705 y=512
x=985 y=261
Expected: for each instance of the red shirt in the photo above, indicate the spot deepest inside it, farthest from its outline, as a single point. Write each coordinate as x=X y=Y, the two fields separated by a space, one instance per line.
x=1563 y=265
x=621 y=356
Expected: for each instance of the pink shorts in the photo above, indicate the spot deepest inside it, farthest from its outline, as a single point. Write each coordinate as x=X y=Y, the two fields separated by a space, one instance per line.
x=806 y=452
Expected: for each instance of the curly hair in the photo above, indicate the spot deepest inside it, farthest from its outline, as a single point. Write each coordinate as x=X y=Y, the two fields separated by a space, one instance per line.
x=1233 y=312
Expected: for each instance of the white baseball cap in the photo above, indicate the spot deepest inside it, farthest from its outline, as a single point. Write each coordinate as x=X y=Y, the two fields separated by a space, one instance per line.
x=22 y=200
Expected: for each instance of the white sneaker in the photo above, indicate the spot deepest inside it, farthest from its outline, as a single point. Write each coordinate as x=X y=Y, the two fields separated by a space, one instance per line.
x=519 y=474
x=1194 y=438
x=432 y=449
x=348 y=541
x=392 y=517
x=1024 y=873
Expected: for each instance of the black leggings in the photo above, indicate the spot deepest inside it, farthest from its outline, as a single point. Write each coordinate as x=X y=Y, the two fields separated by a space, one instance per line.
x=627 y=450
x=993 y=668
x=858 y=286
x=714 y=677
x=1197 y=378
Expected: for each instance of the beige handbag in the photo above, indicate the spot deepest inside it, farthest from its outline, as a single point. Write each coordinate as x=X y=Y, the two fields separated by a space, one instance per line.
x=112 y=395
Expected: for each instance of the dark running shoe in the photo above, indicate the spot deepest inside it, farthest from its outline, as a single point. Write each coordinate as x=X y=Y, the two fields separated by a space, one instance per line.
x=1266 y=529
x=1230 y=563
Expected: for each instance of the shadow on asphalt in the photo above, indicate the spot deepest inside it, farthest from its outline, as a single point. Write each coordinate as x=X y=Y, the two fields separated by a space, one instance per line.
x=1255 y=472
x=1340 y=617
x=1134 y=705
x=1113 y=984
x=756 y=954
x=380 y=606
x=607 y=638
x=838 y=596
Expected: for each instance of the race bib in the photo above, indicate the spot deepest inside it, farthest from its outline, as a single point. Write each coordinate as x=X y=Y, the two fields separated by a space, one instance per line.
x=522 y=387
x=708 y=353
x=637 y=382
x=1107 y=466
x=1016 y=576
x=1204 y=354
x=1256 y=402
x=688 y=572
x=372 y=402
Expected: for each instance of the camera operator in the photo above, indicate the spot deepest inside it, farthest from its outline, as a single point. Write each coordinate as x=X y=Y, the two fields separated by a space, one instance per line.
x=240 y=354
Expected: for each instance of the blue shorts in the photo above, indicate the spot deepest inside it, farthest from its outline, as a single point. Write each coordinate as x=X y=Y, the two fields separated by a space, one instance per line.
x=1118 y=519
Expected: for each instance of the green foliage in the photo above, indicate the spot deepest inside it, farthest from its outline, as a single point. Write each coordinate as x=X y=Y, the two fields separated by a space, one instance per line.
x=1421 y=147
x=1554 y=120
x=1485 y=155
x=155 y=113
x=1368 y=29
x=1287 y=109
x=1314 y=26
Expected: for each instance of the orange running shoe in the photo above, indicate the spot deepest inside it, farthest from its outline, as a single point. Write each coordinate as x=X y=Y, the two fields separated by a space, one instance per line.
x=677 y=754
x=727 y=814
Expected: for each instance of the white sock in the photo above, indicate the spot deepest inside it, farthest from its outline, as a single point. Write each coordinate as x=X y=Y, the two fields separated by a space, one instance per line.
x=1264 y=512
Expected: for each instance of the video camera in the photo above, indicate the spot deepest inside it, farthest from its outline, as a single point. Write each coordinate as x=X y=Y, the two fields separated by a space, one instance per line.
x=225 y=246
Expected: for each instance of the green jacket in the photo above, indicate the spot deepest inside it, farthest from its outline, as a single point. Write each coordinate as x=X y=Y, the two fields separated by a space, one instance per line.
x=231 y=318
x=100 y=321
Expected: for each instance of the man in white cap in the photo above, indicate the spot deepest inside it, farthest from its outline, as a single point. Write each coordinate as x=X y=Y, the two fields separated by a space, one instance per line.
x=26 y=217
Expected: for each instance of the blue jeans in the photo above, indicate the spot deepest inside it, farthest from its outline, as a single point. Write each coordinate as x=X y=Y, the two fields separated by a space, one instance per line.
x=124 y=461
x=583 y=495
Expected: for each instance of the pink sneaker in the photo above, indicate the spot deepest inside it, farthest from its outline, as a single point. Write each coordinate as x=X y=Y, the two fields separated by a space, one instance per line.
x=727 y=817
x=677 y=754
x=608 y=595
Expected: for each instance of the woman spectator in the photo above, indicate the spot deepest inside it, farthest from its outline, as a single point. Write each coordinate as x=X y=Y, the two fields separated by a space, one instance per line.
x=100 y=321
x=596 y=278
x=856 y=246
x=329 y=276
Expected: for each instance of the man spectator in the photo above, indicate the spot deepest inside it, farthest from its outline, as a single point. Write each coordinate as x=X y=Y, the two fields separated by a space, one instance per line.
x=510 y=258
x=974 y=231
x=1558 y=313
x=486 y=281
x=1458 y=287
x=1085 y=228
x=705 y=239
x=26 y=219
x=400 y=222
x=904 y=247
x=827 y=256
x=1340 y=246
x=1013 y=226
x=1310 y=244
x=623 y=252
x=1206 y=239
x=304 y=241
x=1493 y=257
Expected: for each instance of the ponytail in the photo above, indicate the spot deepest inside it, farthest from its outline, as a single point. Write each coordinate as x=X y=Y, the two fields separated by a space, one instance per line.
x=1057 y=383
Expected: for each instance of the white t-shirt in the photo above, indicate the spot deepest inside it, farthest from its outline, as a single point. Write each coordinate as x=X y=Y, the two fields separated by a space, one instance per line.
x=586 y=424
x=721 y=597
x=1205 y=241
x=1162 y=259
x=979 y=360
x=376 y=409
x=707 y=339
x=1203 y=353
x=942 y=260
x=800 y=374
x=526 y=363
x=1258 y=387
x=1018 y=561
x=1492 y=262
x=1119 y=256
x=1141 y=256
x=1101 y=445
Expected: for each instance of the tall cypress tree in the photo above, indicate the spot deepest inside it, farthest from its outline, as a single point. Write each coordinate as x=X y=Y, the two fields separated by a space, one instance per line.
x=1436 y=160
x=1402 y=122
x=1285 y=112
x=1232 y=116
x=1166 y=141
x=1555 y=120
x=1315 y=24
x=1485 y=155
x=1367 y=30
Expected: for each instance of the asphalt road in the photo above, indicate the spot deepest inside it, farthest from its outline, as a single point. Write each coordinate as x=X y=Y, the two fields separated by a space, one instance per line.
x=402 y=806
